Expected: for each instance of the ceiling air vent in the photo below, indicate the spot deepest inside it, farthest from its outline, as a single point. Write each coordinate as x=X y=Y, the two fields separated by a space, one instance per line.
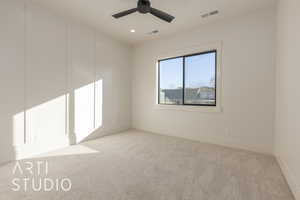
x=153 y=32
x=215 y=12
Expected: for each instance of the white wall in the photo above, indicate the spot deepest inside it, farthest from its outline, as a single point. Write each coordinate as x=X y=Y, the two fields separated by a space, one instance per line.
x=11 y=74
x=57 y=78
x=248 y=93
x=287 y=140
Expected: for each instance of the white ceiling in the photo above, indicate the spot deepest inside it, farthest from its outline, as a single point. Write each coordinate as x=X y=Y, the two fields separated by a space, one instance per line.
x=97 y=13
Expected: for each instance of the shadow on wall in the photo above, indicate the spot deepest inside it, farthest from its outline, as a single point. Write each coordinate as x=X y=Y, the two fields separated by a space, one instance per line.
x=61 y=121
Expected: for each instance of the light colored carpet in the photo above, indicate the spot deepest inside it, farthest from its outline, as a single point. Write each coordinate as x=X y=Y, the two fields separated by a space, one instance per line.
x=140 y=166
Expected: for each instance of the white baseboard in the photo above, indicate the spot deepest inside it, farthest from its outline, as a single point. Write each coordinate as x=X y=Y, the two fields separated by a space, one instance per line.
x=31 y=150
x=216 y=141
x=290 y=177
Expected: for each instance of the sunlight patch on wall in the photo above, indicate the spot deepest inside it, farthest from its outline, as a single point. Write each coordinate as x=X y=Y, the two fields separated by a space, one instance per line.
x=84 y=111
x=18 y=129
x=98 y=103
x=87 y=109
x=46 y=123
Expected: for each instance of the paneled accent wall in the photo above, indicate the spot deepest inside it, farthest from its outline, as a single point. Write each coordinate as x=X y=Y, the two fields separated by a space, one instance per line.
x=61 y=82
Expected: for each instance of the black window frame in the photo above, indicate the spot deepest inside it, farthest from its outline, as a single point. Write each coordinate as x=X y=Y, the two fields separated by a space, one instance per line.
x=183 y=80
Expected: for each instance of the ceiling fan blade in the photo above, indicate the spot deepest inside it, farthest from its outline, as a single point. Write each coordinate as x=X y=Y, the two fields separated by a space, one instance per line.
x=124 y=13
x=162 y=15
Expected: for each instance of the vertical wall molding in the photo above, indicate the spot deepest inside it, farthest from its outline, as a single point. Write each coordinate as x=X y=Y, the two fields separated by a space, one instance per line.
x=67 y=129
x=71 y=111
x=95 y=75
x=24 y=67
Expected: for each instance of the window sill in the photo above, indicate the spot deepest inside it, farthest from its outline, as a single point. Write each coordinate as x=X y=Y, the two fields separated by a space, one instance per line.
x=204 y=109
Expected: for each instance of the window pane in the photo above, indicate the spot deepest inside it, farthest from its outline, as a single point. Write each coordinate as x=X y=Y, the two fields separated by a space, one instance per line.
x=171 y=83
x=200 y=80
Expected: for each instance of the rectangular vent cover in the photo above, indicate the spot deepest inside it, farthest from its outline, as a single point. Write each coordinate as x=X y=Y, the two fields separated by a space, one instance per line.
x=215 y=12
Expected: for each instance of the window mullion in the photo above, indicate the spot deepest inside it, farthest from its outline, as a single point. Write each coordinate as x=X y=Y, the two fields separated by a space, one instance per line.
x=158 y=84
x=183 y=87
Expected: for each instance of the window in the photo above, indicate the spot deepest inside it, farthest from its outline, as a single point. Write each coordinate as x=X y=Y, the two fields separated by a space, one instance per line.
x=171 y=81
x=188 y=80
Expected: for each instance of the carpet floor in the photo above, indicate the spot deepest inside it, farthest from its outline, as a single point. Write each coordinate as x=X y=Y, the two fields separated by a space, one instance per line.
x=136 y=165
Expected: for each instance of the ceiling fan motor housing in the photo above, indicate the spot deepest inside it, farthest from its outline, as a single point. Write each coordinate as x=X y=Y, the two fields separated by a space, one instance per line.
x=144 y=6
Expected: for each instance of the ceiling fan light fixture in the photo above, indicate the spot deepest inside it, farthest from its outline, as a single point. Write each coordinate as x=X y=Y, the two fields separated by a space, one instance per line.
x=144 y=7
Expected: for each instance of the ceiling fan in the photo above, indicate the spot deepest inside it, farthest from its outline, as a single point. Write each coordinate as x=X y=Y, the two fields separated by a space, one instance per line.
x=144 y=7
